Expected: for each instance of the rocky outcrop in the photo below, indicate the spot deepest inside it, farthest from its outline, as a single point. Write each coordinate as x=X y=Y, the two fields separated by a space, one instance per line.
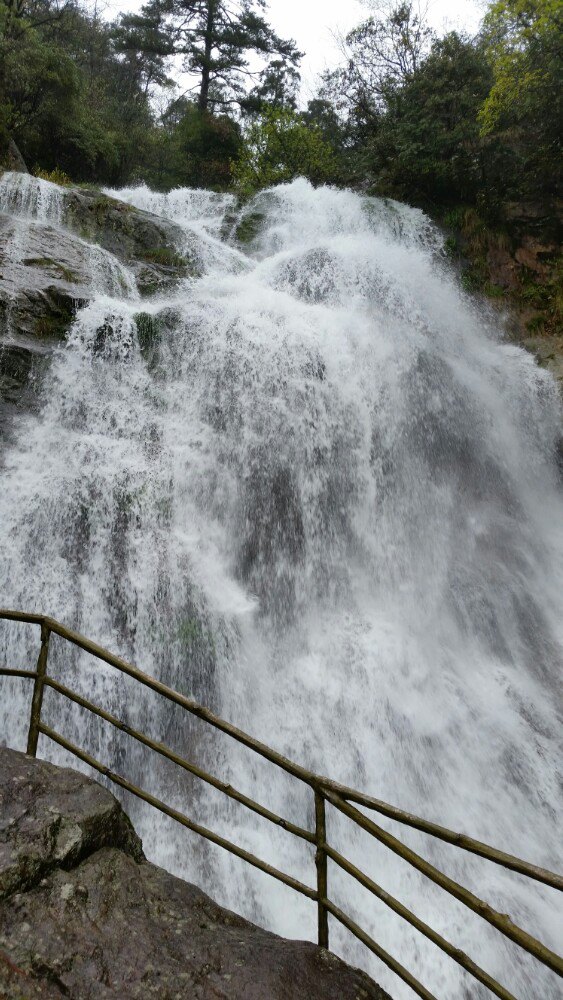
x=43 y=280
x=83 y=915
x=13 y=159
x=48 y=269
x=548 y=352
x=148 y=244
x=44 y=275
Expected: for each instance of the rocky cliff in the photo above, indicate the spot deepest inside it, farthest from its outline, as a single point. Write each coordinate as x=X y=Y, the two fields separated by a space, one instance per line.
x=83 y=915
x=48 y=272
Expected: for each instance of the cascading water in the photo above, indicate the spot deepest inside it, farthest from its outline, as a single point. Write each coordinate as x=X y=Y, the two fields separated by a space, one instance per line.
x=314 y=489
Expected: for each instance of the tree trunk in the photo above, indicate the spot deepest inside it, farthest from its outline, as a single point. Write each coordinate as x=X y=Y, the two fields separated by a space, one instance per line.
x=203 y=100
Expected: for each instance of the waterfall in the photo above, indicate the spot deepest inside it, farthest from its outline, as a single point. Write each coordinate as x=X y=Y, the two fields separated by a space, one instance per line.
x=315 y=489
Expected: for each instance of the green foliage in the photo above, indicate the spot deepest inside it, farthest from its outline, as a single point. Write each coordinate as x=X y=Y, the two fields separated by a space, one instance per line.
x=36 y=76
x=524 y=109
x=164 y=256
x=69 y=98
x=216 y=40
x=427 y=146
x=545 y=295
x=249 y=227
x=48 y=262
x=381 y=54
x=208 y=144
x=277 y=87
x=56 y=176
x=280 y=146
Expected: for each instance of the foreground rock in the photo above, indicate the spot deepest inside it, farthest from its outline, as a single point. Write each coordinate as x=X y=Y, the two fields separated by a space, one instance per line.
x=84 y=915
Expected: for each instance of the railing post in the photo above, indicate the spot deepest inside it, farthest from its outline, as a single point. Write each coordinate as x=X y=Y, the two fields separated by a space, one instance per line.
x=38 y=687
x=322 y=869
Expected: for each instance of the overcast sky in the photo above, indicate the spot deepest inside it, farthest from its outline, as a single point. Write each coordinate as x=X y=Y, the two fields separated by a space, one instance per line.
x=314 y=23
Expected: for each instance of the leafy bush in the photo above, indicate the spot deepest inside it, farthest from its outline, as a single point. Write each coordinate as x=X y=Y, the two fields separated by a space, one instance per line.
x=278 y=147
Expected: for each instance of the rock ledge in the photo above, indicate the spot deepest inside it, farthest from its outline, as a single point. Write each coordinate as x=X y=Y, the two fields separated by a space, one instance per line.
x=83 y=915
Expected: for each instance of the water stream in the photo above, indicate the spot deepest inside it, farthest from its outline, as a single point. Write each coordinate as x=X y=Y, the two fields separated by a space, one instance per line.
x=315 y=489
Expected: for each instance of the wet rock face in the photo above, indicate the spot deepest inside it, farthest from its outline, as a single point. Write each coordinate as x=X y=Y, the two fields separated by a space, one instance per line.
x=51 y=818
x=143 y=241
x=83 y=915
x=42 y=283
x=48 y=271
x=43 y=280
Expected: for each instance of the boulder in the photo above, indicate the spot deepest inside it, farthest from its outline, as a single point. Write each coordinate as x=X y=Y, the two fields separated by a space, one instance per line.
x=83 y=915
x=44 y=278
x=45 y=274
x=13 y=159
x=51 y=818
x=548 y=352
x=147 y=243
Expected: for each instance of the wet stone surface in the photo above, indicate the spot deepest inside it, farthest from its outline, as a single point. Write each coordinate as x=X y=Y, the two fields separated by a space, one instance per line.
x=83 y=915
x=53 y=264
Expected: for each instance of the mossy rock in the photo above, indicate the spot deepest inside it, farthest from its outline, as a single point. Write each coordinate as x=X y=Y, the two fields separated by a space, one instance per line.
x=50 y=264
x=165 y=256
x=249 y=227
x=127 y=232
x=149 y=332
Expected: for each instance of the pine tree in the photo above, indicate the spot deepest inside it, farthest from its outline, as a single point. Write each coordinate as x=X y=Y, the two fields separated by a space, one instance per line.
x=216 y=40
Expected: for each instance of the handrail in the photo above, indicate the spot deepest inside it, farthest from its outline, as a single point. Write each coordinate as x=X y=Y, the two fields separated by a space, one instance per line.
x=164 y=751
x=458 y=956
x=392 y=812
x=325 y=791
x=175 y=814
x=501 y=921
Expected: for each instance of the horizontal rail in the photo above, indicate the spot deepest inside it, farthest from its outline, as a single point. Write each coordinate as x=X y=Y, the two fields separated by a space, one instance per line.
x=450 y=837
x=22 y=616
x=169 y=754
x=314 y=780
x=501 y=921
x=376 y=948
x=458 y=956
x=239 y=852
x=179 y=699
x=7 y=672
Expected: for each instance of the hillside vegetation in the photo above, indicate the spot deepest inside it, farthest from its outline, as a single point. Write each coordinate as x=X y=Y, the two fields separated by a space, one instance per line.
x=467 y=128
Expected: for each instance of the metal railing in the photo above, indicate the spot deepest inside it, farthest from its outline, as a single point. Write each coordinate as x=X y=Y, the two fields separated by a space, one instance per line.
x=339 y=796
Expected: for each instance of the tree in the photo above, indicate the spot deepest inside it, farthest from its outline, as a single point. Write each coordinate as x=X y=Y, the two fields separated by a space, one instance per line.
x=277 y=87
x=215 y=39
x=208 y=146
x=524 y=42
x=427 y=147
x=145 y=47
x=279 y=147
x=35 y=75
x=380 y=54
x=69 y=96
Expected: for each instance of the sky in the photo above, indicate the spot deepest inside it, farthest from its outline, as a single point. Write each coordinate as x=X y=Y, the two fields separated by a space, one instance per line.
x=315 y=24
